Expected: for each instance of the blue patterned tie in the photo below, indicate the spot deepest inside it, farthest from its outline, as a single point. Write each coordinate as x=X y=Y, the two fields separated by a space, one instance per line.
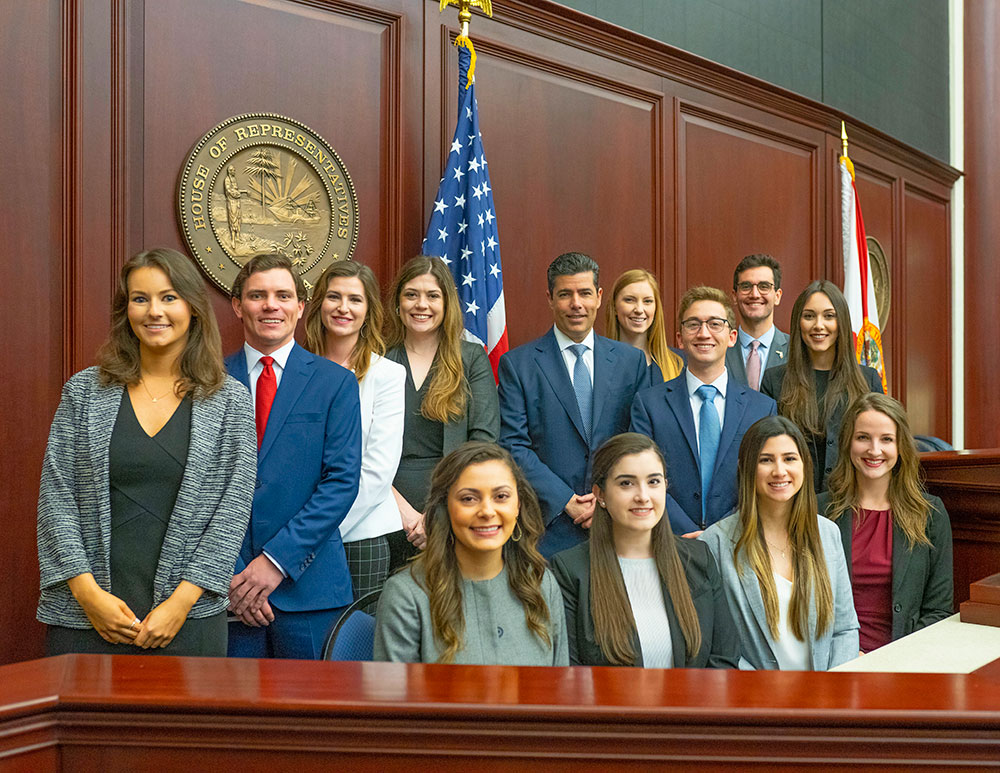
x=708 y=439
x=584 y=389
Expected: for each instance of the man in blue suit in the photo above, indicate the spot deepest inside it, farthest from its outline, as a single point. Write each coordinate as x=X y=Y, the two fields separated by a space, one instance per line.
x=562 y=396
x=698 y=419
x=292 y=580
x=759 y=345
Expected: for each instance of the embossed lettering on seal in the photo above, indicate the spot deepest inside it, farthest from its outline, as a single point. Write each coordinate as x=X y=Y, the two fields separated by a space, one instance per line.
x=265 y=183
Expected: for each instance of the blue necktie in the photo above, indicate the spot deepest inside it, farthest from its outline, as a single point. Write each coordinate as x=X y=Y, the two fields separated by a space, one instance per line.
x=708 y=439
x=584 y=389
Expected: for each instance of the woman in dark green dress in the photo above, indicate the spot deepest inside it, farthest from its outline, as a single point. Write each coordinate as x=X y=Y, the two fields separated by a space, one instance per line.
x=148 y=477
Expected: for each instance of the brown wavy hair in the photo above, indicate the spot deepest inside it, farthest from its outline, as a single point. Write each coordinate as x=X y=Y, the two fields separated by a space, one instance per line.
x=614 y=623
x=798 y=388
x=809 y=574
x=201 y=367
x=656 y=337
x=448 y=391
x=370 y=339
x=436 y=568
x=910 y=509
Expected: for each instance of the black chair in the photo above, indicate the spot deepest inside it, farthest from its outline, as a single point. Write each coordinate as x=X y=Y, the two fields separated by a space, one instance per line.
x=353 y=635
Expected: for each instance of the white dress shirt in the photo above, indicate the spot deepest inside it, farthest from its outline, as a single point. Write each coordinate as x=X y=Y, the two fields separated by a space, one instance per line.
x=745 y=342
x=721 y=384
x=255 y=367
x=569 y=357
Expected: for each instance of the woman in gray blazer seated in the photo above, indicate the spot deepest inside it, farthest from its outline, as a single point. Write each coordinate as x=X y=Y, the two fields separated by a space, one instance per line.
x=635 y=594
x=897 y=537
x=479 y=592
x=450 y=392
x=782 y=564
x=148 y=477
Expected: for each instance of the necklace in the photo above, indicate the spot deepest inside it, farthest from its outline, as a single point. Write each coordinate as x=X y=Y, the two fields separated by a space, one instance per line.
x=774 y=547
x=154 y=399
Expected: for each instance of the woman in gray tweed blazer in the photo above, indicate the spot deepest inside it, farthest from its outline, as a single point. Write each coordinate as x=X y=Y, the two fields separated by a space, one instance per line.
x=148 y=477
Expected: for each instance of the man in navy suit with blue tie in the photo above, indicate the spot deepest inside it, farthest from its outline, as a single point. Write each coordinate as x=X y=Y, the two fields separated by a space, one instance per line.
x=562 y=396
x=698 y=419
x=292 y=580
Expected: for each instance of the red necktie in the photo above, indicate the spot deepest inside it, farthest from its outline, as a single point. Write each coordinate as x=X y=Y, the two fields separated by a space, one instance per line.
x=267 y=385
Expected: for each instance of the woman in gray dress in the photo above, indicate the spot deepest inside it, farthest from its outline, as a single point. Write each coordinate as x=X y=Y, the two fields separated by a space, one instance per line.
x=479 y=592
x=148 y=477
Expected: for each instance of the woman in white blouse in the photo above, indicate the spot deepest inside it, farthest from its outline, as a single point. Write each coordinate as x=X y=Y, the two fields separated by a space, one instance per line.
x=344 y=324
x=782 y=564
x=635 y=594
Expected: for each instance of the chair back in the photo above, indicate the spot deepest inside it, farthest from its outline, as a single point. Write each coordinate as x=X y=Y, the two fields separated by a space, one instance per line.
x=353 y=635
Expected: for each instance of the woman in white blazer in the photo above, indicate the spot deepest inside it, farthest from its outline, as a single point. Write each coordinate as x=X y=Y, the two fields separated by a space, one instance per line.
x=782 y=564
x=344 y=324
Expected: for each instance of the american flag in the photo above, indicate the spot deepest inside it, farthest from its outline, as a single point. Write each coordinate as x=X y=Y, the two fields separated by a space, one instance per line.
x=463 y=227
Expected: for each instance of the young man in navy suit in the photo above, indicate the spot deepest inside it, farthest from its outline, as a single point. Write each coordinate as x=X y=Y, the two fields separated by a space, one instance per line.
x=698 y=419
x=562 y=396
x=292 y=580
x=759 y=345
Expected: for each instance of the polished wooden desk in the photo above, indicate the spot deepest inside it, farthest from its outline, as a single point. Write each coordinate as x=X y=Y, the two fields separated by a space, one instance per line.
x=104 y=713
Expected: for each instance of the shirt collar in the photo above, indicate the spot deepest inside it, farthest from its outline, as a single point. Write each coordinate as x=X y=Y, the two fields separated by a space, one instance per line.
x=564 y=340
x=765 y=340
x=693 y=382
x=280 y=355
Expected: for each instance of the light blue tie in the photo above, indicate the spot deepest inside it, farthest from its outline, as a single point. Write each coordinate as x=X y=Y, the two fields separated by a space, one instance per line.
x=584 y=389
x=708 y=440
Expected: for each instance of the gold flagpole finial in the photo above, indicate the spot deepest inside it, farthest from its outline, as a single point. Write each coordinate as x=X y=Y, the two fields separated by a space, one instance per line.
x=464 y=17
x=843 y=137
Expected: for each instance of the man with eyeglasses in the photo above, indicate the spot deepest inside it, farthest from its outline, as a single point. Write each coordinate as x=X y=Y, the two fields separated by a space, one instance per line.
x=698 y=419
x=760 y=345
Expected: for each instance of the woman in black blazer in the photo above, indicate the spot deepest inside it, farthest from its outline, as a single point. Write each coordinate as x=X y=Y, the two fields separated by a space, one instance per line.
x=635 y=594
x=897 y=537
x=822 y=376
x=450 y=392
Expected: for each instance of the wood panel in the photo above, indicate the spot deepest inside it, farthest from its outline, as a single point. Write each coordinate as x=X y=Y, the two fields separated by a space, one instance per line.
x=111 y=713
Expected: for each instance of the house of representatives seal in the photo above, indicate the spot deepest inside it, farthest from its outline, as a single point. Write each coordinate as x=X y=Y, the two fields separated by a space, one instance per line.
x=265 y=183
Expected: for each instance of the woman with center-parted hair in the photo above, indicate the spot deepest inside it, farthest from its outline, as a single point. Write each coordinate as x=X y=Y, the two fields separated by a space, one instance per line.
x=635 y=594
x=896 y=536
x=148 y=477
x=450 y=392
x=479 y=592
x=783 y=564
x=635 y=316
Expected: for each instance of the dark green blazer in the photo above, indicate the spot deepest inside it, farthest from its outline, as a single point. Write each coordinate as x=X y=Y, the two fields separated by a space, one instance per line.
x=720 y=642
x=922 y=579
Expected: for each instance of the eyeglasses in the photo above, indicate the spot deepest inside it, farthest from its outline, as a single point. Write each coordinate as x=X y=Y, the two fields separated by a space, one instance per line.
x=715 y=324
x=762 y=287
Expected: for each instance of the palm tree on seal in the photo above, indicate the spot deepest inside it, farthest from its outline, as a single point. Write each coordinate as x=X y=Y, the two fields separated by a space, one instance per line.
x=262 y=166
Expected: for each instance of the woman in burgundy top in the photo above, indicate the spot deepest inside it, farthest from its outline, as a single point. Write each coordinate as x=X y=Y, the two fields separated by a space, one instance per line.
x=897 y=537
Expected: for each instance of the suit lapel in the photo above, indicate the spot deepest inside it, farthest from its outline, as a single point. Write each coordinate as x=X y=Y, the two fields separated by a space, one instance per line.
x=751 y=590
x=734 y=360
x=736 y=406
x=677 y=642
x=604 y=368
x=679 y=402
x=901 y=555
x=236 y=364
x=553 y=367
x=778 y=351
x=298 y=370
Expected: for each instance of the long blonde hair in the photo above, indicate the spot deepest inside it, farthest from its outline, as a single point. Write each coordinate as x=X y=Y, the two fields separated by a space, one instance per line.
x=809 y=574
x=656 y=337
x=370 y=339
x=614 y=623
x=910 y=509
x=436 y=567
x=448 y=391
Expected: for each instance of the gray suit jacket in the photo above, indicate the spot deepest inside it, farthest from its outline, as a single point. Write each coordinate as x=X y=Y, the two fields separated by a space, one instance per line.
x=836 y=645
x=776 y=355
x=206 y=526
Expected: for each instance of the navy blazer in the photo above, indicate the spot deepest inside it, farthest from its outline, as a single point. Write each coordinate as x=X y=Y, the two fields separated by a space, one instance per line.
x=308 y=468
x=922 y=579
x=776 y=354
x=540 y=422
x=664 y=413
x=720 y=641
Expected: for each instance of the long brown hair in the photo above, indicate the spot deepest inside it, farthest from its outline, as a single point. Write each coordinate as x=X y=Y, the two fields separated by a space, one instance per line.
x=448 y=391
x=656 y=337
x=614 y=623
x=436 y=568
x=798 y=390
x=370 y=339
x=910 y=509
x=202 y=371
x=809 y=573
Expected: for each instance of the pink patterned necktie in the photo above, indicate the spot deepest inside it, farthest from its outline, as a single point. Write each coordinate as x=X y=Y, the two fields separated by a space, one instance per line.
x=753 y=366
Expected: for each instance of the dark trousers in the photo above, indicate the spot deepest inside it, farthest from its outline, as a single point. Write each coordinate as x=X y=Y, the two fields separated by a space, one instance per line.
x=293 y=635
x=561 y=534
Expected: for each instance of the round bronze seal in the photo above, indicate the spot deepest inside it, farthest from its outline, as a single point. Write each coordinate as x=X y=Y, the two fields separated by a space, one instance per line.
x=264 y=183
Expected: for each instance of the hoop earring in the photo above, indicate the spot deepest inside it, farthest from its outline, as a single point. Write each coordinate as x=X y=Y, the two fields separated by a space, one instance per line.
x=517 y=533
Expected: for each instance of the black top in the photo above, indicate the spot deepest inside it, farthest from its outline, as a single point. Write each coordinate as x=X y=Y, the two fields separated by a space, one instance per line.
x=423 y=442
x=817 y=443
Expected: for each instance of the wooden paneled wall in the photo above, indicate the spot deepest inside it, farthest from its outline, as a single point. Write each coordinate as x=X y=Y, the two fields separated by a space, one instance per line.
x=598 y=140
